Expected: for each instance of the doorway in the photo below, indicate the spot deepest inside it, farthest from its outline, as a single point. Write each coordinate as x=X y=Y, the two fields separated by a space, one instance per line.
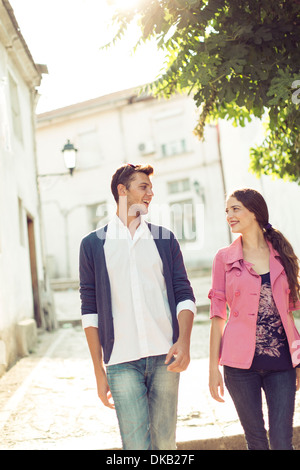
x=34 y=271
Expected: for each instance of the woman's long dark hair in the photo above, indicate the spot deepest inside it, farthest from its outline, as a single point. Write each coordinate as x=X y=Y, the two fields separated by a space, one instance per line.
x=255 y=203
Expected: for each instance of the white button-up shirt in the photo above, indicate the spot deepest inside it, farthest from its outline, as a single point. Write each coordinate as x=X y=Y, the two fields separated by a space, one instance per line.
x=140 y=307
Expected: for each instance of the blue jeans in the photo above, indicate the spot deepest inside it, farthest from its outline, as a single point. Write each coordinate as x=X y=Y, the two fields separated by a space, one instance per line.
x=245 y=387
x=145 y=394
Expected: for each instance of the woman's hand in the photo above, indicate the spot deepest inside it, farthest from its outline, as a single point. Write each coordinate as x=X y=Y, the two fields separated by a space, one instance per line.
x=215 y=376
x=216 y=383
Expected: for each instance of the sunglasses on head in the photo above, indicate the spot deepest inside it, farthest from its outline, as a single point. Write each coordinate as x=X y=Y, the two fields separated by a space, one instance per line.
x=125 y=168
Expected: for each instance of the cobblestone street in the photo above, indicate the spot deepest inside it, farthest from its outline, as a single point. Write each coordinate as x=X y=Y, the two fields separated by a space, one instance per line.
x=48 y=400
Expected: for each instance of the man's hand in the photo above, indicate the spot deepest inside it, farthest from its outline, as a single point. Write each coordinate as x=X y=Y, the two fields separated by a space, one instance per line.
x=181 y=353
x=181 y=349
x=96 y=352
x=104 y=392
x=297 y=379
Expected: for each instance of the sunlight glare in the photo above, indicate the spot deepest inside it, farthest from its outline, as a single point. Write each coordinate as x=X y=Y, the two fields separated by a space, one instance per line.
x=79 y=68
x=123 y=5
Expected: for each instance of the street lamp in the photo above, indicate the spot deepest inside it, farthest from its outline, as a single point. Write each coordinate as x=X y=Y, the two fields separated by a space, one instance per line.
x=69 y=153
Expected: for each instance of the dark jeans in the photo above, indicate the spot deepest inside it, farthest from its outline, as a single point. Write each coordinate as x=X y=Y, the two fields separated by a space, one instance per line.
x=245 y=387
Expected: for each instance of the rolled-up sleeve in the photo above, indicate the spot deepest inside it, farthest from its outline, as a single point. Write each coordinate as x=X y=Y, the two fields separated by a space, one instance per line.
x=186 y=305
x=89 y=319
x=217 y=292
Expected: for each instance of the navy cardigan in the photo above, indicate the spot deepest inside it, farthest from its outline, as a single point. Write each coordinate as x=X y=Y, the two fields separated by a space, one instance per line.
x=95 y=287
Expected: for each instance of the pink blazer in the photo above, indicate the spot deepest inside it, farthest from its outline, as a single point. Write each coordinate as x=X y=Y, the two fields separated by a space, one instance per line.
x=236 y=284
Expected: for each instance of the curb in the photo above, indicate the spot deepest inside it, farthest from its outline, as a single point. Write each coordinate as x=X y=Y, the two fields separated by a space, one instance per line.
x=228 y=443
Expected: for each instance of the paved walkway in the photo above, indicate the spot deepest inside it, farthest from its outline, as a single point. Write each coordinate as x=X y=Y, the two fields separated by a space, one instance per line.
x=48 y=400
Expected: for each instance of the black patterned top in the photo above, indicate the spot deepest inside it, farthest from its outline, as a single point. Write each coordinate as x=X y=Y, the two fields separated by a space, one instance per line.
x=272 y=350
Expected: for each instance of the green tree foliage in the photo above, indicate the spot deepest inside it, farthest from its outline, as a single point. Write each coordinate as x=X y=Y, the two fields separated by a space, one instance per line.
x=239 y=59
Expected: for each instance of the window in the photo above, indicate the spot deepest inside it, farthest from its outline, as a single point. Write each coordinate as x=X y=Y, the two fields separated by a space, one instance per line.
x=183 y=220
x=5 y=140
x=179 y=186
x=170 y=130
x=98 y=215
x=15 y=108
x=174 y=147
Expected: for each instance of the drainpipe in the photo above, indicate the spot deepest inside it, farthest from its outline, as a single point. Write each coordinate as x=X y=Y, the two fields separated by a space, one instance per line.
x=222 y=171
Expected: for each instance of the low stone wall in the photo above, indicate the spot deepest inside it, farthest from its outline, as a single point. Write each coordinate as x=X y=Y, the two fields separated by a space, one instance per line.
x=17 y=341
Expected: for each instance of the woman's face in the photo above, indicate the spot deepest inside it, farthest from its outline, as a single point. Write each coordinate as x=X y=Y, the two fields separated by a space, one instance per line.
x=239 y=218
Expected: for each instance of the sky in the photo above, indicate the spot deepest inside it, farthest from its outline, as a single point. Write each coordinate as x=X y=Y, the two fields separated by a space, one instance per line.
x=67 y=36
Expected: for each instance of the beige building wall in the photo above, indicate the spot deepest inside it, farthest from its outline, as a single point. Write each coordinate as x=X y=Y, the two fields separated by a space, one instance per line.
x=190 y=179
x=21 y=255
x=119 y=128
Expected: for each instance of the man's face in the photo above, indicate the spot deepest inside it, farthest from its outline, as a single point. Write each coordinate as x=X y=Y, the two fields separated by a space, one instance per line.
x=139 y=194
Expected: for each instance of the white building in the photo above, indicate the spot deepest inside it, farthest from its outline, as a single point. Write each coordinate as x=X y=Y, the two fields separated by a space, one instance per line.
x=190 y=181
x=23 y=303
x=119 y=128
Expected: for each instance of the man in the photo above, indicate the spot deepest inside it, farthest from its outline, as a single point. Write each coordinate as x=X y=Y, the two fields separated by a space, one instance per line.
x=137 y=311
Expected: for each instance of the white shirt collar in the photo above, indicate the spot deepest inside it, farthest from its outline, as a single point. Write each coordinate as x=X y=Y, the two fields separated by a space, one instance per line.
x=118 y=230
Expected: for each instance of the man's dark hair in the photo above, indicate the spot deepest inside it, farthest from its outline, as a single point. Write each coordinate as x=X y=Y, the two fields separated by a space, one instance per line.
x=125 y=174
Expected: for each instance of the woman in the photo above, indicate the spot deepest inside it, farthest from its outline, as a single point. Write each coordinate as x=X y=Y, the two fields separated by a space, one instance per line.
x=257 y=277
